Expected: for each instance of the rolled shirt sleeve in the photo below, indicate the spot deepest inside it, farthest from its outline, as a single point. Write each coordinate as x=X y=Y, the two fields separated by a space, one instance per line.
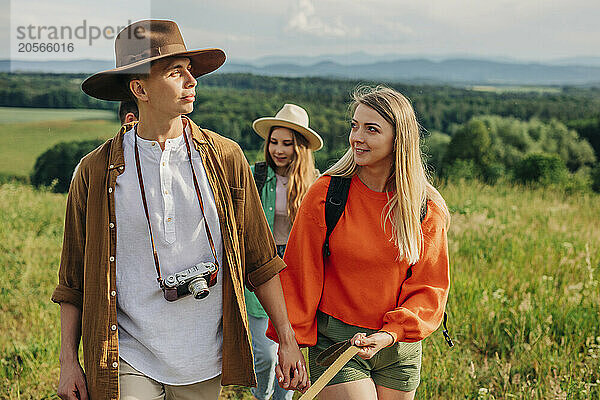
x=70 y=273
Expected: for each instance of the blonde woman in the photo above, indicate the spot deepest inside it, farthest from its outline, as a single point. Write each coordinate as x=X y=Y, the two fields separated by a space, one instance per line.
x=385 y=283
x=282 y=179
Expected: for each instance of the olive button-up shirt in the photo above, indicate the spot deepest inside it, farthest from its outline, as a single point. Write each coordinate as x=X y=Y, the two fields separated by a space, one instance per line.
x=87 y=273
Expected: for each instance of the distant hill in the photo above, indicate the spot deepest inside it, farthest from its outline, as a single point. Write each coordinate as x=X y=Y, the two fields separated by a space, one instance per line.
x=582 y=61
x=419 y=70
x=59 y=67
x=459 y=71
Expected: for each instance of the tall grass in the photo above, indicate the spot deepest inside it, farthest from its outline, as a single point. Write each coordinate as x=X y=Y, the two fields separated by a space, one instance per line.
x=524 y=304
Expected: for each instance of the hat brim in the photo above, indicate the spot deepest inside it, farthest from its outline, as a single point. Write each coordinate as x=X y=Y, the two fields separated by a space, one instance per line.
x=262 y=126
x=111 y=84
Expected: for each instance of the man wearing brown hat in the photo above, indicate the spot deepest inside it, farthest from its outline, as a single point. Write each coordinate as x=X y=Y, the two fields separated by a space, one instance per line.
x=163 y=229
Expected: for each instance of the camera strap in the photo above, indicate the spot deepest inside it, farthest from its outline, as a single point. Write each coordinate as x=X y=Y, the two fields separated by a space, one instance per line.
x=198 y=194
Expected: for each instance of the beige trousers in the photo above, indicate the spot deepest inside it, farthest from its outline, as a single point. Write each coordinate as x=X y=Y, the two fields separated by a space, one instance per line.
x=136 y=386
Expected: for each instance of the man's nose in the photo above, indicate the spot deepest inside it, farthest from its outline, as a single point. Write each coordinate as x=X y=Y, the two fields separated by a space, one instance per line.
x=190 y=81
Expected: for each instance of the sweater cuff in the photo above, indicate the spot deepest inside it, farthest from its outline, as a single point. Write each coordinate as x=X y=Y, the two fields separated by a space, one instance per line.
x=265 y=272
x=393 y=335
x=395 y=330
x=65 y=294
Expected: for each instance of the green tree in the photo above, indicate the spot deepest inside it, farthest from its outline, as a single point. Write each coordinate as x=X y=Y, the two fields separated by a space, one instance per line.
x=470 y=142
x=595 y=175
x=469 y=151
x=541 y=168
x=434 y=147
x=55 y=166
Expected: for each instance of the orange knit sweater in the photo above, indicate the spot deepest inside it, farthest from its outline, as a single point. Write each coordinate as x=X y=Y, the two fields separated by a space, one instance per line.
x=362 y=283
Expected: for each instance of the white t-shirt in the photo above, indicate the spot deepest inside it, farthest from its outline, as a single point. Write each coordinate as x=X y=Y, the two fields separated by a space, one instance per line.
x=180 y=342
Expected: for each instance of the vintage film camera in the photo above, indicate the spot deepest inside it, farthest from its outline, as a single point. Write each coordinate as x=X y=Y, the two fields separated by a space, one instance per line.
x=195 y=281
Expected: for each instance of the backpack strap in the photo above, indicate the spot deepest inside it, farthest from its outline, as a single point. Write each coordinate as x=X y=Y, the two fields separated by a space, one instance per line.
x=445 y=332
x=260 y=176
x=335 y=203
x=424 y=211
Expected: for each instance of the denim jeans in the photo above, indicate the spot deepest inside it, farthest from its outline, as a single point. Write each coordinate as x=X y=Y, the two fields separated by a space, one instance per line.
x=265 y=358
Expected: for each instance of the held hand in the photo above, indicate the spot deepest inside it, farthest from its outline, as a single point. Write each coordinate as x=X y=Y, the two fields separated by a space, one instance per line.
x=291 y=368
x=370 y=345
x=71 y=384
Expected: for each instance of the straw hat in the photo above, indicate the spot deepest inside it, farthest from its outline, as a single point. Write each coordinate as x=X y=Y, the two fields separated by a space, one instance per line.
x=141 y=43
x=293 y=117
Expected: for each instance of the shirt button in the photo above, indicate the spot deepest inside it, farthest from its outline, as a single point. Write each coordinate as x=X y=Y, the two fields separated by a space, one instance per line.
x=111 y=166
x=111 y=259
x=166 y=192
x=270 y=208
x=115 y=364
x=168 y=219
x=163 y=163
x=113 y=327
x=111 y=225
x=113 y=293
x=109 y=190
x=272 y=189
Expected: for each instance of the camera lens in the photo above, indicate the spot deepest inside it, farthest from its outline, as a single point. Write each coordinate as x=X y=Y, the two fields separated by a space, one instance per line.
x=198 y=288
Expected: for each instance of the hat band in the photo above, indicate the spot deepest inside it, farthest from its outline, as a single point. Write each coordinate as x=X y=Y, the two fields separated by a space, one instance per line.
x=153 y=52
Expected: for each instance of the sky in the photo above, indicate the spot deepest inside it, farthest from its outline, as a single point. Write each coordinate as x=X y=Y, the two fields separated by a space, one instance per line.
x=528 y=30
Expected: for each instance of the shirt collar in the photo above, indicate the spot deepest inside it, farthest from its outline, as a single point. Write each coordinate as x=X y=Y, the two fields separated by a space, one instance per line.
x=117 y=157
x=198 y=135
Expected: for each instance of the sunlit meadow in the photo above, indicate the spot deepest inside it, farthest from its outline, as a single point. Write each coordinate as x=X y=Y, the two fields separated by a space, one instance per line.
x=523 y=311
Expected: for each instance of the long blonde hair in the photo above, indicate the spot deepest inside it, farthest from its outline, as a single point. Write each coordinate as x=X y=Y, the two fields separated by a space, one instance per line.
x=301 y=171
x=408 y=176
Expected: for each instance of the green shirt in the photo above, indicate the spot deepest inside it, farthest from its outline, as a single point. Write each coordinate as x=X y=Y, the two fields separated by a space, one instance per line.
x=268 y=204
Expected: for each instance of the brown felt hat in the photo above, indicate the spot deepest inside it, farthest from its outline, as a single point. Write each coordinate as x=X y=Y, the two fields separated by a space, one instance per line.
x=136 y=47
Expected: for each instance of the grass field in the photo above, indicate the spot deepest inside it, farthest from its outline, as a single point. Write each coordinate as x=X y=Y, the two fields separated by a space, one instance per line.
x=23 y=142
x=28 y=132
x=16 y=114
x=516 y=89
x=524 y=305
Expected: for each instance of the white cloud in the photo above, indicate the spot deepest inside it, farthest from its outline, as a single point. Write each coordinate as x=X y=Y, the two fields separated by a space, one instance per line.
x=306 y=20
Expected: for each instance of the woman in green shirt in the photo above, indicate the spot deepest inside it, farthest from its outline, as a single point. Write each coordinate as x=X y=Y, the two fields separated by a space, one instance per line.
x=285 y=176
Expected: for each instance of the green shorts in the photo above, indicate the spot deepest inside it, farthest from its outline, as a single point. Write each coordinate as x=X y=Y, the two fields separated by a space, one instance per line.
x=396 y=367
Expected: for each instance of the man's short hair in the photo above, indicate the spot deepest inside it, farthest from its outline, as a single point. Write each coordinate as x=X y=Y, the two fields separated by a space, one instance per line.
x=128 y=107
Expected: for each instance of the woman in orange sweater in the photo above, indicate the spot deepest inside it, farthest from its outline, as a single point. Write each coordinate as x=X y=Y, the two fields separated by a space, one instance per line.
x=386 y=282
